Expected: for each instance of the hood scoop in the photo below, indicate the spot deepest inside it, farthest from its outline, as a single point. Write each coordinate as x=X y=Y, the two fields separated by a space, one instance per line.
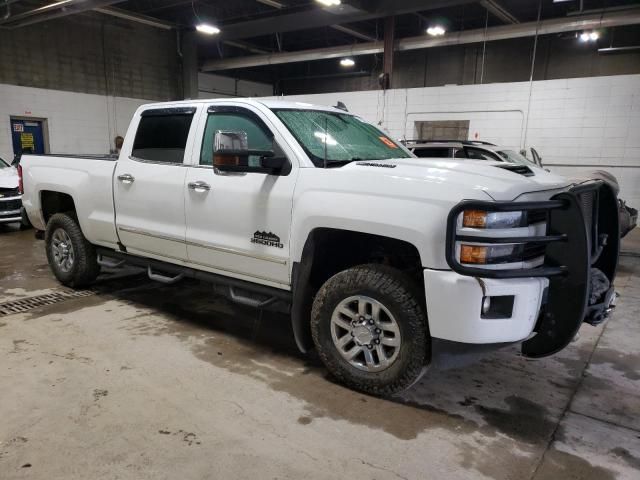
x=519 y=169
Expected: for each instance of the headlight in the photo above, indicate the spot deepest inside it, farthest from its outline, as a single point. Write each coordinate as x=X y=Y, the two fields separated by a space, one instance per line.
x=500 y=253
x=499 y=239
x=483 y=219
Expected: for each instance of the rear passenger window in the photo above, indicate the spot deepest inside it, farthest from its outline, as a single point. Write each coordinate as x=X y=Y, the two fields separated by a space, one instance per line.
x=162 y=137
x=432 y=152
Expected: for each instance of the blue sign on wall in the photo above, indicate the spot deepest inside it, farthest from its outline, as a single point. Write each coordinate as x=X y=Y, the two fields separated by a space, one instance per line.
x=27 y=136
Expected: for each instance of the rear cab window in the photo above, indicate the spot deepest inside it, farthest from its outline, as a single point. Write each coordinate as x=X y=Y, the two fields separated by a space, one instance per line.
x=162 y=135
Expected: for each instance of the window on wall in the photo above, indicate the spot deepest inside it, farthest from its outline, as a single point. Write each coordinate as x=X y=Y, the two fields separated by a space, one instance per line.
x=258 y=135
x=442 y=130
x=162 y=137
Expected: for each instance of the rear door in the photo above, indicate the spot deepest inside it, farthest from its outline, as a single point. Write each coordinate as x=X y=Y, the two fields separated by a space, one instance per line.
x=149 y=184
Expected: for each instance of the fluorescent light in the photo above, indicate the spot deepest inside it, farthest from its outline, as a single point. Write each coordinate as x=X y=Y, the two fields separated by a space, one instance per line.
x=207 y=29
x=436 y=30
x=329 y=3
x=347 y=62
x=593 y=36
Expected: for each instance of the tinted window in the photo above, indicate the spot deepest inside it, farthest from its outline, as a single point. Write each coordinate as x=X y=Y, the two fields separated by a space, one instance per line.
x=162 y=138
x=438 y=152
x=477 y=154
x=460 y=153
x=258 y=136
x=514 y=157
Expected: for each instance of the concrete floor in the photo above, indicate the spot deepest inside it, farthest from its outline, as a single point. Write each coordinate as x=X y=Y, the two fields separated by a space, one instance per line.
x=144 y=381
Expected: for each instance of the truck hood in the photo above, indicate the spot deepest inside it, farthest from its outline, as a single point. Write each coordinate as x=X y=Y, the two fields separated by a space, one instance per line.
x=8 y=178
x=491 y=177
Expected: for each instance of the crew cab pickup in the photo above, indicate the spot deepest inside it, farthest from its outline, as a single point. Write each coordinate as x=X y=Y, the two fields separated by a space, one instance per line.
x=382 y=259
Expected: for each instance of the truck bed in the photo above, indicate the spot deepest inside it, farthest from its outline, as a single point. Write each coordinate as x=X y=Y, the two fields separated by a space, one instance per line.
x=88 y=183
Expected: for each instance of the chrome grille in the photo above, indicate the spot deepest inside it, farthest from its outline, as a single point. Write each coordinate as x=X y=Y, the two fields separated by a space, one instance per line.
x=10 y=205
x=9 y=192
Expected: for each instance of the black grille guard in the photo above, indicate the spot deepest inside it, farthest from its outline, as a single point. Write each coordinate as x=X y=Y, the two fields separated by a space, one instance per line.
x=582 y=238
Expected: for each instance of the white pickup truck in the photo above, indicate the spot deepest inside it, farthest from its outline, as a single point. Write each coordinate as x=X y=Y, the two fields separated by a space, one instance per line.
x=385 y=261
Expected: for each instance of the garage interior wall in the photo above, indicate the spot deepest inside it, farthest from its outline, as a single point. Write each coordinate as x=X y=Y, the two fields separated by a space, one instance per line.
x=217 y=86
x=78 y=123
x=575 y=124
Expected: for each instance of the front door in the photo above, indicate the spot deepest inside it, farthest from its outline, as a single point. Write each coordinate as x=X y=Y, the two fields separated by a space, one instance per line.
x=149 y=186
x=238 y=224
x=27 y=136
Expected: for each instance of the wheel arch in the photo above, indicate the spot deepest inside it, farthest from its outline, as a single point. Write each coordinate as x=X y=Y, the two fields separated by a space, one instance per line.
x=327 y=251
x=52 y=202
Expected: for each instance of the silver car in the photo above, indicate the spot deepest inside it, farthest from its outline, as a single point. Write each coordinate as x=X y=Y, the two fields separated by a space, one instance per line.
x=477 y=150
x=10 y=198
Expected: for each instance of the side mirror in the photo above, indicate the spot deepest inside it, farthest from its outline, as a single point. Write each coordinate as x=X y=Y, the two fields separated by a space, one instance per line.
x=231 y=154
x=230 y=143
x=536 y=157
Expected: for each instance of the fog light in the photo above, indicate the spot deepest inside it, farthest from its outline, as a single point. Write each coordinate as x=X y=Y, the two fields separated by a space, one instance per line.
x=497 y=306
x=486 y=305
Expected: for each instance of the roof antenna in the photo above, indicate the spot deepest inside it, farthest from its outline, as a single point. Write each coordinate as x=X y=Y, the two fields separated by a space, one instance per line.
x=341 y=106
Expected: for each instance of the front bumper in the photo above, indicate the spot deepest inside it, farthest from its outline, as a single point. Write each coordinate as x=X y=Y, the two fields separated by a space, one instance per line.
x=454 y=307
x=581 y=247
x=10 y=209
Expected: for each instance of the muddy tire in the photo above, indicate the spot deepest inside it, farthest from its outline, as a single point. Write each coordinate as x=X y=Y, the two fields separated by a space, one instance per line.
x=370 y=329
x=72 y=259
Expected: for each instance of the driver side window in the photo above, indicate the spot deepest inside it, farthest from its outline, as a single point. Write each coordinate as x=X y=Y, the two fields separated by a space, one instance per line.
x=257 y=137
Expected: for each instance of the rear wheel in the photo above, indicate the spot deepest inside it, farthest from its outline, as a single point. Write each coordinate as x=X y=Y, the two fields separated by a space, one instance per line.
x=72 y=258
x=370 y=329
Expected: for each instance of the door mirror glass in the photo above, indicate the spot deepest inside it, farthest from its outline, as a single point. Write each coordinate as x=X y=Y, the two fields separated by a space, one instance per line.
x=231 y=153
x=231 y=143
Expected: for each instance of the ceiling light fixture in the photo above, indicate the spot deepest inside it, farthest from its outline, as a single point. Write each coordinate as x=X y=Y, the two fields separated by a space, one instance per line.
x=207 y=29
x=329 y=3
x=347 y=62
x=436 y=30
x=589 y=36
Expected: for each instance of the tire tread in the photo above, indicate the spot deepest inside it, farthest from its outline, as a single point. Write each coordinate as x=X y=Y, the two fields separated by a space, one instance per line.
x=86 y=269
x=390 y=283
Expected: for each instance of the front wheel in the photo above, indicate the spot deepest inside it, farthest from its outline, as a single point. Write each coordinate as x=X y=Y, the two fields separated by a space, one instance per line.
x=72 y=258
x=370 y=329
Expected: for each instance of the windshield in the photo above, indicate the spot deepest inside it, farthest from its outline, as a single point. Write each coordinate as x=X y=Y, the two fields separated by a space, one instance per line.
x=514 y=157
x=3 y=164
x=338 y=138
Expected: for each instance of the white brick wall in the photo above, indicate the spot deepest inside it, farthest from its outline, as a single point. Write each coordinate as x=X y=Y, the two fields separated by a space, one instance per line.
x=77 y=122
x=577 y=124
